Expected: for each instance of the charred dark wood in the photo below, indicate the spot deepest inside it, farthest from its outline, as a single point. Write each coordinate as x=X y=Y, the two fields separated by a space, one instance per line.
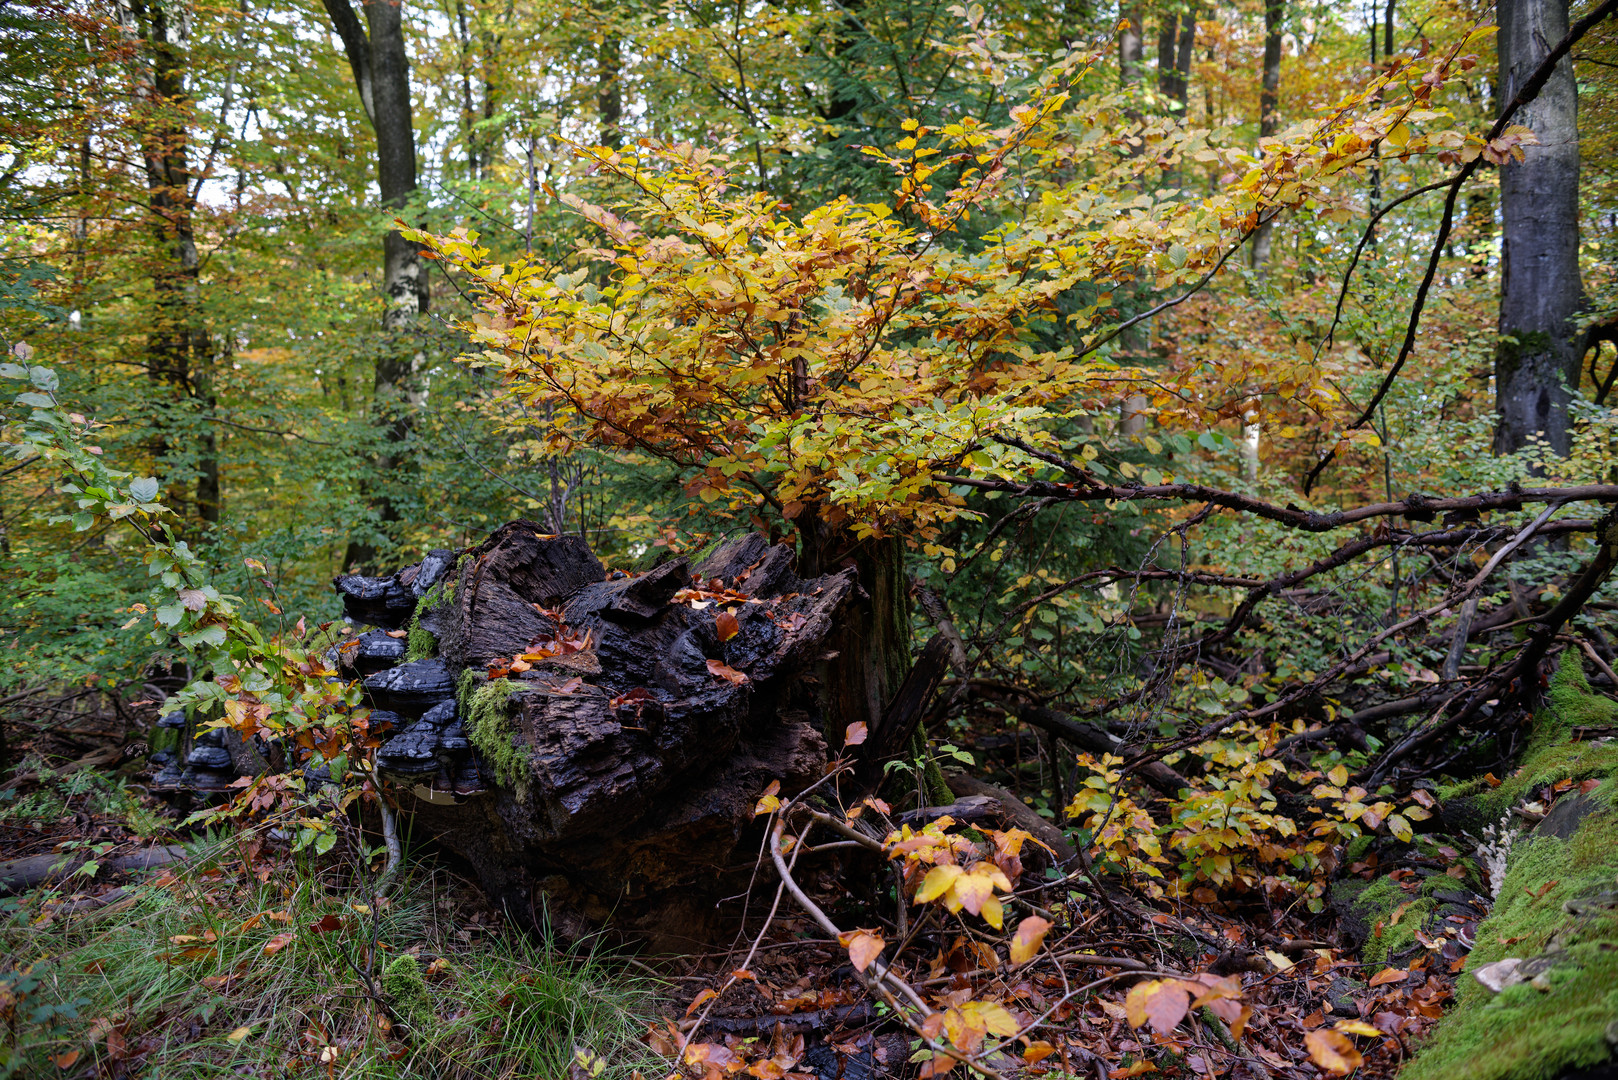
x=611 y=734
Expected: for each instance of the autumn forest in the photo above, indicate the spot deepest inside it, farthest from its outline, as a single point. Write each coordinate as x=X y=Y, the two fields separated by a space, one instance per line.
x=809 y=541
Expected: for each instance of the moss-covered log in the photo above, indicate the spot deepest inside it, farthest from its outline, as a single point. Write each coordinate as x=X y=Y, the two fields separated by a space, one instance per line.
x=1539 y=1000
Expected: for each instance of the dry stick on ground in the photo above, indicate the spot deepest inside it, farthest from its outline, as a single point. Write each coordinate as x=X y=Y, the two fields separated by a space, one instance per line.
x=1595 y=658
x=884 y=982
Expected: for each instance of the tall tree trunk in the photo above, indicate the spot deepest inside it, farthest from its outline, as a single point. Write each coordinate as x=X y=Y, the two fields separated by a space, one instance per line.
x=376 y=54
x=1182 y=60
x=1167 y=42
x=1174 y=44
x=1269 y=104
x=609 y=89
x=1536 y=361
x=1134 y=340
x=1129 y=47
x=468 y=112
x=179 y=348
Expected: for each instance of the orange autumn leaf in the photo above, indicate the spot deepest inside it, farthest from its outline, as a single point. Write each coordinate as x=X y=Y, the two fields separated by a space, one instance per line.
x=1161 y=1002
x=1333 y=1051
x=863 y=946
x=726 y=672
x=1026 y=941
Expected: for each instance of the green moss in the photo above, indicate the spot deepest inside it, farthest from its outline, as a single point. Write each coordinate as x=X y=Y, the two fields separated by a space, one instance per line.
x=490 y=729
x=405 y=985
x=1391 y=939
x=1549 y=755
x=1530 y=1032
x=1526 y=1033
x=1373 y=907
x=1357 y=847
x=419 y=642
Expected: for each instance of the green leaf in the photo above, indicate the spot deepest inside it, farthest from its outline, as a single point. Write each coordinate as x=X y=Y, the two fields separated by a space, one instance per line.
x=144 y=490
x=38 y=401
x=210 y=635
x=83 y=520
x=170 y=614
x=324 y=842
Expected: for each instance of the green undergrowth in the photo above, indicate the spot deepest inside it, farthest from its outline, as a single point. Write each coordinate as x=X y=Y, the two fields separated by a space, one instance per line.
x=1558 y=903
x=162 y=985
x=489 y=727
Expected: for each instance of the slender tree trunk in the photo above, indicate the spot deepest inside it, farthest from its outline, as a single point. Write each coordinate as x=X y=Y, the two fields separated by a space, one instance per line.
x=1540 y=289
x=1134 y=340
x=1129 y=47
x=468 y=111
x=376 y=54
x=179 y=348
x=1269 y=104
x=1167 y=43
x=1174 y=44
x=1182 y=60
x=609 y=90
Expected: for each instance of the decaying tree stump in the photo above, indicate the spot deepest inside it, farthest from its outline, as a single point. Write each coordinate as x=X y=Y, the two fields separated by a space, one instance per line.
x=593 y=744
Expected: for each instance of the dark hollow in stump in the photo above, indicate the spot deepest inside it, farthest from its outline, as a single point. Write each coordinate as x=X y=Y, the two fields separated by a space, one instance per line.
x=594 y=744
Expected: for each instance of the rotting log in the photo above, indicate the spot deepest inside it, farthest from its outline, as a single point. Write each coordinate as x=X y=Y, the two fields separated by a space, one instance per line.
x=593 y=744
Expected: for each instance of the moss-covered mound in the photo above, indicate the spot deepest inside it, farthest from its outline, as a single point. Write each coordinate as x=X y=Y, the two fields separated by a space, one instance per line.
x=1557 y=913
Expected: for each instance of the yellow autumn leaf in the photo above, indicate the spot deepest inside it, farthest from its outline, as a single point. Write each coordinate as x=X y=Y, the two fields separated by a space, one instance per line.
x=937 y=883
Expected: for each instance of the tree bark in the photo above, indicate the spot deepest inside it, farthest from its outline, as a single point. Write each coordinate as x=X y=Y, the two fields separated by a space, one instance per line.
x=1536 y=363
x=1129 y=47
x=1269 y=104
x=180 y=348
x=609 y=90
x=376 y=55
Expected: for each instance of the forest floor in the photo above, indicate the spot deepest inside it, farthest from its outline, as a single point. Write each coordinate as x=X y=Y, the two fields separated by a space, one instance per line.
x=242 y=959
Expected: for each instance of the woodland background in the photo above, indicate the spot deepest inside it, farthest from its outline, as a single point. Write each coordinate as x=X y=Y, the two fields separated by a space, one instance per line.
x=202 y=205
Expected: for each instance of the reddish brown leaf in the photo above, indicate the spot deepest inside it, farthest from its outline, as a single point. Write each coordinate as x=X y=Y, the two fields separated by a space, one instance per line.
x=855 y=734
x=1388 y=975
x=726 y=625
x=277 y=943
x=1162 y=1002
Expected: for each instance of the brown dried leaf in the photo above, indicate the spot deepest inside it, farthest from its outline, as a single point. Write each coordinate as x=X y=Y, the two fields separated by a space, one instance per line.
x=726 y=625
